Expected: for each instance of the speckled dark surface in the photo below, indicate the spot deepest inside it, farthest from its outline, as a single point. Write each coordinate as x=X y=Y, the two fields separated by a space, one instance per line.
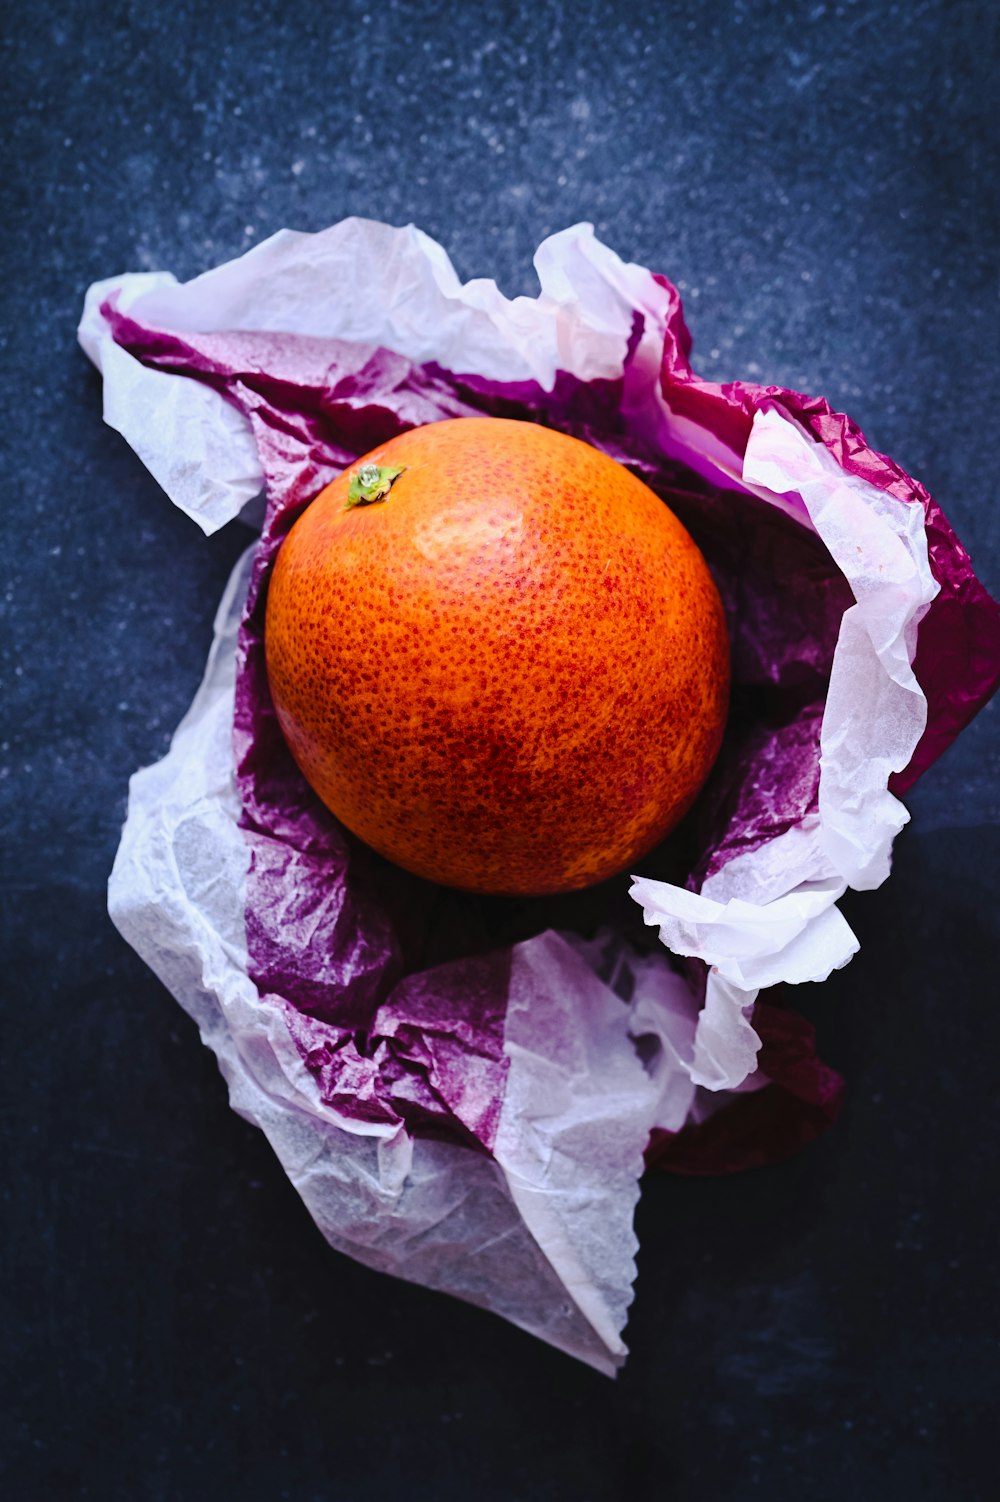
x=821 y=181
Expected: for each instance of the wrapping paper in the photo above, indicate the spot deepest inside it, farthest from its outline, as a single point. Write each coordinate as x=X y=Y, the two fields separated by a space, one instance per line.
x=464 y=1090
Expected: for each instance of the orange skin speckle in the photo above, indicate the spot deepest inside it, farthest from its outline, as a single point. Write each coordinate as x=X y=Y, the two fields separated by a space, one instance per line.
x=510 y=674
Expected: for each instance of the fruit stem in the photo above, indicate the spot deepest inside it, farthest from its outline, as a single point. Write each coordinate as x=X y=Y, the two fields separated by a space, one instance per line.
x=371 y=482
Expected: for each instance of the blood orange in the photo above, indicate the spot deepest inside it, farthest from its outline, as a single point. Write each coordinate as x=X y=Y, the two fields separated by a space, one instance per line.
x=509 y=672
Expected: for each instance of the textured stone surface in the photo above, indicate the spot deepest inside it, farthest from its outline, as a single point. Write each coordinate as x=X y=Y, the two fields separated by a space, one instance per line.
x=821 y=181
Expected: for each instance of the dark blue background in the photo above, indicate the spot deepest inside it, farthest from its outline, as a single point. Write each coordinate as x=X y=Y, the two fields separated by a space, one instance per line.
x=821 y=182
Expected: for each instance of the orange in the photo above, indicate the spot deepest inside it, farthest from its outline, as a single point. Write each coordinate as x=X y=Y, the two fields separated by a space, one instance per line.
x=510 y=672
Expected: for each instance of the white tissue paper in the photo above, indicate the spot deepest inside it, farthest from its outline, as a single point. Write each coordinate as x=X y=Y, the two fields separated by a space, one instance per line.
x=542 y=1232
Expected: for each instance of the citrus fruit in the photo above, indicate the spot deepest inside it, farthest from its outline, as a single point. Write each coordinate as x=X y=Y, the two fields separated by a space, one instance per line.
x=497 y=657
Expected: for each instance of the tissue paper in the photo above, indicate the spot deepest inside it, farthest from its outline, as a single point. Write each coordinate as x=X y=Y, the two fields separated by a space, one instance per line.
x=463 y=1096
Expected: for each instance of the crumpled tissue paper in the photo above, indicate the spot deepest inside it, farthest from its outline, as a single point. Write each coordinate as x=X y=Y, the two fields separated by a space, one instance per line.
x=464 y=1092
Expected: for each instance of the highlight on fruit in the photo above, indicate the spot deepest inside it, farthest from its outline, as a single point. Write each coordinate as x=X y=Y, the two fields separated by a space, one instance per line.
x=498 y=657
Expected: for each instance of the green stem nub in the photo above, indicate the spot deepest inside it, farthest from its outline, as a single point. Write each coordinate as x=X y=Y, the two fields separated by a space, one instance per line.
x=371 y=483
